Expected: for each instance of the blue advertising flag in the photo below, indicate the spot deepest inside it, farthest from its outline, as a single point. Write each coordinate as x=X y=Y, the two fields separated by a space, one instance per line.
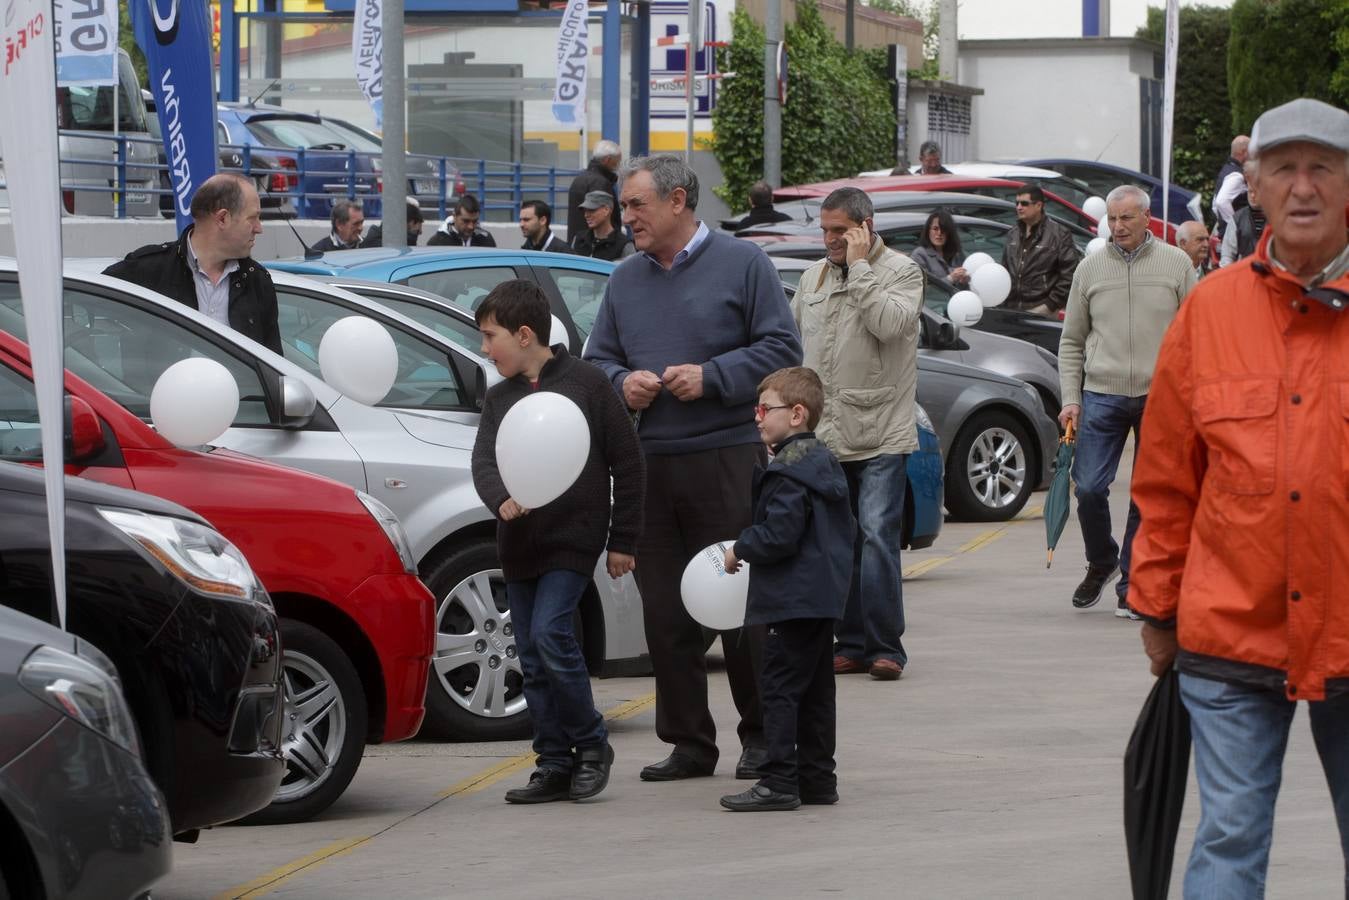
x=175 y=36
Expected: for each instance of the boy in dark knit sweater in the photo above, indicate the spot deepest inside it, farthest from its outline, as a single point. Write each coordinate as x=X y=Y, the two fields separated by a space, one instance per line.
x=800 y=551
x=548 y=554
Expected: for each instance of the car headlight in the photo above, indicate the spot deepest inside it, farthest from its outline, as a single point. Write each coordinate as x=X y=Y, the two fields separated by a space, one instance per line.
x=393 y=530
x=196 y=555
x=923 y=419
x=81 y=689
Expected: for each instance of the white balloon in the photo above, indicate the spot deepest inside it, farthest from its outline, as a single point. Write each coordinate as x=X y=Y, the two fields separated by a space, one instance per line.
x=542 y=445
x=557 y=333
x=1096 y=243
x=976 y=261
x=1094 y=207
x=358 y=357
x=992 y=283
x=714 y=598
x=965 y=308
x=1103 y=229
x=194 y=401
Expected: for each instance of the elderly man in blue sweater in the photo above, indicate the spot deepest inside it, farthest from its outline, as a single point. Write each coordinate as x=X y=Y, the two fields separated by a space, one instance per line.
x=688 y=328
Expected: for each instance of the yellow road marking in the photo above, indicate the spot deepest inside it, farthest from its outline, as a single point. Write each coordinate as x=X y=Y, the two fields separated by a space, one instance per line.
x=270 y=881
x=979 y=541
x=265 y=883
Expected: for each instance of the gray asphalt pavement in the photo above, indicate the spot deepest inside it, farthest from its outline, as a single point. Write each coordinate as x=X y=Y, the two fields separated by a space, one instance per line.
x=992 y=769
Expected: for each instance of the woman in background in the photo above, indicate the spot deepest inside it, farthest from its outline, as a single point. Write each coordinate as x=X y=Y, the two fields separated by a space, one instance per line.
x=938 y=252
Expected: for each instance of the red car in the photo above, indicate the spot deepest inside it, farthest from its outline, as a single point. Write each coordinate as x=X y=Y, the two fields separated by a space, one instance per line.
x=357 y=624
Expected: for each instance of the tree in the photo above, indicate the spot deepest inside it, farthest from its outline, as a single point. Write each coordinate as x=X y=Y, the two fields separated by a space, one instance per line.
x=1201 y=136
x=838 y=119
x=925 y=11
x=1283 y=49
x=126 y=38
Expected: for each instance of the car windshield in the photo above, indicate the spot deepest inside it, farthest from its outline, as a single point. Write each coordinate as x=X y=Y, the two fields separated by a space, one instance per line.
x=357 y=140
x=424 y=379
x=91 y=108
x=122 y=350
x=285 y=132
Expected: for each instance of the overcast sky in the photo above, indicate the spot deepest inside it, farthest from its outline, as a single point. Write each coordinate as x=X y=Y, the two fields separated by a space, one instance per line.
x=1050 y=18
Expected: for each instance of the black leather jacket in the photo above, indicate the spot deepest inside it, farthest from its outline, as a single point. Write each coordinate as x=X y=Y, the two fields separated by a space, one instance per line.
x=1041 y=265
x=164 y=268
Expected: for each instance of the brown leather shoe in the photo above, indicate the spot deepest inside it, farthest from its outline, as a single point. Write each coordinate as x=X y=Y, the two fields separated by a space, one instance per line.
x=846 y=665
x=886 y=670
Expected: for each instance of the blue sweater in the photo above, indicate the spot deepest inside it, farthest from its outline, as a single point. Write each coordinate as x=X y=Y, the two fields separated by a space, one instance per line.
x=723 y=308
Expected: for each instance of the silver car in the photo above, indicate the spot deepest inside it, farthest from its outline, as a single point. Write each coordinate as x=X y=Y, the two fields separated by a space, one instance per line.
x=411 y=452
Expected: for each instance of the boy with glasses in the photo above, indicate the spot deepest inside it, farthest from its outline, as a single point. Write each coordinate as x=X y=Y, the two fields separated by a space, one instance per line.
x=800 y=549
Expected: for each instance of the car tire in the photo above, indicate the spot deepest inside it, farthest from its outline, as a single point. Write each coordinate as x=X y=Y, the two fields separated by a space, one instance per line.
x=476 y=689
x=323 y=727
x=990 y=469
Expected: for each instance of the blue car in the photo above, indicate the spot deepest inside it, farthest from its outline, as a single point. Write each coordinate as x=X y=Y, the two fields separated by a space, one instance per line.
x=1100 y=178
x=439 y=289
x=316 y=162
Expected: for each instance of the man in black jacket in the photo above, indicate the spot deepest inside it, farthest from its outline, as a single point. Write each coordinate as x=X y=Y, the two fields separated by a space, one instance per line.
x=348 y=221
x=601 y=240
x=600 y=175
x=461 y=228
x=1040 y=256
x=209 y=268
x=536 y=224
x=761 y=211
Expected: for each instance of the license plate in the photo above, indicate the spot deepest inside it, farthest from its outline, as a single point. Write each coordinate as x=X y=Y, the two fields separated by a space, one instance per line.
x=137 y=198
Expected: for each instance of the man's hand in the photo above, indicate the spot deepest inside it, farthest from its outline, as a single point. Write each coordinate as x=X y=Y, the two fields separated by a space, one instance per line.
x=685 y=382
x=640 y=388
x=859 y=242
x=619 y=564
x=1161 y=646
x=511 y=510
x=1041 y=309
x=730 y=562
x=1070 y=413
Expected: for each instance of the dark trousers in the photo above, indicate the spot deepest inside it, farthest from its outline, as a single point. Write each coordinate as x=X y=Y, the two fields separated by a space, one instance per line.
x=557 y=685
x=798 y=707
x=694 y=500
x=1104 y=427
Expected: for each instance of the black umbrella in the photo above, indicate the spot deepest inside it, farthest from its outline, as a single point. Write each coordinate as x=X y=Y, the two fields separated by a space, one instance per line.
x=1156 y=766
x=1056 y=499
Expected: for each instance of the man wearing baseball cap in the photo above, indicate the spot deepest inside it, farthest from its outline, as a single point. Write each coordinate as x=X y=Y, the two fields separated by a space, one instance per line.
x=600 y=238
x=1241 y=564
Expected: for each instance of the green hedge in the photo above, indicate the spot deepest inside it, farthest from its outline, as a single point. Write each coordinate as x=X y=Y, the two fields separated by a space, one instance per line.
x=838 y=119
x=1284 y=49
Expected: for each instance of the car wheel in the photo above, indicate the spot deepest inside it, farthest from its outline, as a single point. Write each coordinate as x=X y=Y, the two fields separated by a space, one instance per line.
x=323 y=725
x=988 y=472
x=476 y=689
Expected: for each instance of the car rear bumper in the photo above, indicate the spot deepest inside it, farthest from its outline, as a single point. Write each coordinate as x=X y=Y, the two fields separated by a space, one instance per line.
x=398 y=614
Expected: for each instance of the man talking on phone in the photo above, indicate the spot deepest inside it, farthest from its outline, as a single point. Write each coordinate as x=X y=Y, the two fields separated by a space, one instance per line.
x=858 y=311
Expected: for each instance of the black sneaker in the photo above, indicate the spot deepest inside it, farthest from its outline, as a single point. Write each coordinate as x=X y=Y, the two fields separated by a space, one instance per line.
x=1088 y=593
x=545 y=786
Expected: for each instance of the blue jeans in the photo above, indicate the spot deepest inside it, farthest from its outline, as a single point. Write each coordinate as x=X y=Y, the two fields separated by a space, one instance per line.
x=873 y=620
x=557 y=685
x=1103 y=428
x=1240 y=735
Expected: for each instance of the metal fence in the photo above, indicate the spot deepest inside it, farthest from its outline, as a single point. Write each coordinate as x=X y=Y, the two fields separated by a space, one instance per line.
x=287 y=178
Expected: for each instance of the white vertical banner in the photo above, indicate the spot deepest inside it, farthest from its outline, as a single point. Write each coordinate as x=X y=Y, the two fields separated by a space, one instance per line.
x=86 y=42
x=28 y=145
x=573 y=50
x=1169 y=104
x=367 y=50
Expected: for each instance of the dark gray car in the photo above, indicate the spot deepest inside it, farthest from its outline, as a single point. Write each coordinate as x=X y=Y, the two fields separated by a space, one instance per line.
x=79 y=815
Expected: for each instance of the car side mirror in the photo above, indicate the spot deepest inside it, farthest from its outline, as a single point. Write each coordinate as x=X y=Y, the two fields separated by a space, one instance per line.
x=297 y=402
x=948 y=334
x=84 y=431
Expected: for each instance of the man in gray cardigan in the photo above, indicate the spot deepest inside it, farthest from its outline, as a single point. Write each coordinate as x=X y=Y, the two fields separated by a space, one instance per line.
x=1122 y=300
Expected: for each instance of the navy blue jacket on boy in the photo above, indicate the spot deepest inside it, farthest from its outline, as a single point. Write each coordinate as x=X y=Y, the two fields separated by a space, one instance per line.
x=800 y=547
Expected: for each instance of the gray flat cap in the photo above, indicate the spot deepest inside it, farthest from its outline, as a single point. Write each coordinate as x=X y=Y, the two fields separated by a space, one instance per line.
x=1301 y=120
x=597 y=199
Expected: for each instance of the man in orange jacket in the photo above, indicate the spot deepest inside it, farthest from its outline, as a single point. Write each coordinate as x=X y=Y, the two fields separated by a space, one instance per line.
x=1241 y=564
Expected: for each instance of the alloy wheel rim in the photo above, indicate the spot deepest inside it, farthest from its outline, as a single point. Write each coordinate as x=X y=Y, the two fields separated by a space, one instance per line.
x=314 y=725
x=475 y=658
x=996 y=468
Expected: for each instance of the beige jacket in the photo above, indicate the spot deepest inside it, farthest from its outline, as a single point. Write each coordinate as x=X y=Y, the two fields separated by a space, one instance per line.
x=861 y=336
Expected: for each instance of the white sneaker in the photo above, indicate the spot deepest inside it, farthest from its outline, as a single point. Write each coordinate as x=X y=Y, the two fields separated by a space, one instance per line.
x=1122 y=611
